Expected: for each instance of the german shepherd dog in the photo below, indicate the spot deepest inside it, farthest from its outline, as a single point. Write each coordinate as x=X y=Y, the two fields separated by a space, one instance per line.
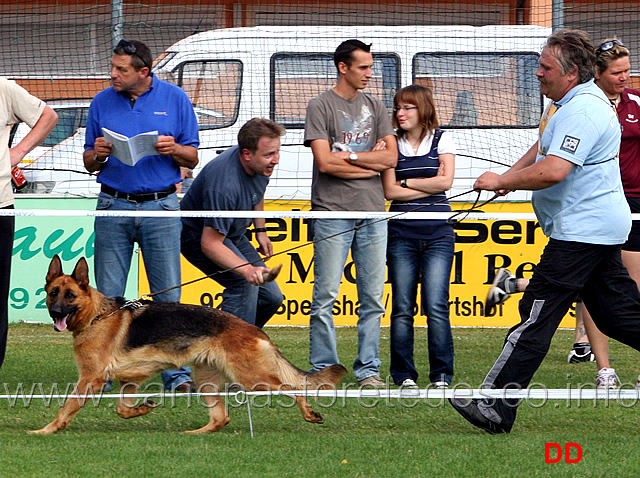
x=132 y=344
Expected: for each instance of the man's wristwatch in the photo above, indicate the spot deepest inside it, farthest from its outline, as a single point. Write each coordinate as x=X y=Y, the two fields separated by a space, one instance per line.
x=403 y=183
x=353 y=156
x=95 y=158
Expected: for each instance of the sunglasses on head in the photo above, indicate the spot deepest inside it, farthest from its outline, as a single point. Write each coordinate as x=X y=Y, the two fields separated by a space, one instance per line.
x=608 y=45
x=130 y=49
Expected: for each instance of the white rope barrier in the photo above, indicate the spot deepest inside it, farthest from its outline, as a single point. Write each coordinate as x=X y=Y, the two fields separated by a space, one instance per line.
x=261 y=214
x=589 y=393
x=540 y=396
x=478 y=216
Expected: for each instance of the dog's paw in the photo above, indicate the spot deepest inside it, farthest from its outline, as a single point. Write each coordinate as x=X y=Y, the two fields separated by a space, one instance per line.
x=272 y=274
x=149 y=404
x=314 y=417
x=42 y=431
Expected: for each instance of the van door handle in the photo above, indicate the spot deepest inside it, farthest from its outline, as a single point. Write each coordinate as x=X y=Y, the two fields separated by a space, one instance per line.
x=219 y=151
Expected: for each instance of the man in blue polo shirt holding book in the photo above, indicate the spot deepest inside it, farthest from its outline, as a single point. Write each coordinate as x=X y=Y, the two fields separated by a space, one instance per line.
x=139 y=102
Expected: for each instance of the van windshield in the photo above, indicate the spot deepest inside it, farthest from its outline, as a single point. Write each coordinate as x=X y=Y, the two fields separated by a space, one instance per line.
x=297 y=78
x=465 y=87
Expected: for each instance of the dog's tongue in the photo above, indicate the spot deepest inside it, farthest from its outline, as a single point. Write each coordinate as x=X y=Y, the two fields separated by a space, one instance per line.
x=60 y=324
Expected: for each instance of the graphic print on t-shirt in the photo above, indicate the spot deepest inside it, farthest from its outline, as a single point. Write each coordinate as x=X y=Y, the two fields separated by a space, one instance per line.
x=355 y=132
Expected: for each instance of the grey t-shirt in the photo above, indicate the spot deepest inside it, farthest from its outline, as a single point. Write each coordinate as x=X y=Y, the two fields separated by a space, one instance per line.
x=223 y=185
x=348 y=125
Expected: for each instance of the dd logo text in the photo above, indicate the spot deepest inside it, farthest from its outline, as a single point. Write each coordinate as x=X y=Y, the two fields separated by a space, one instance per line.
x=553 y=453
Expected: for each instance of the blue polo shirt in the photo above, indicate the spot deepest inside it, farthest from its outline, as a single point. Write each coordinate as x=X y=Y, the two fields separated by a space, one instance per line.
x=588 y=206
x=165 y=108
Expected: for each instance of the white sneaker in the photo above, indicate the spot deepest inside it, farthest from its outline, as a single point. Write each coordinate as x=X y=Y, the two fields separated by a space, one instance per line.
x=607 y=378
x=498 y=292
x=408 y=383
x=440 y=384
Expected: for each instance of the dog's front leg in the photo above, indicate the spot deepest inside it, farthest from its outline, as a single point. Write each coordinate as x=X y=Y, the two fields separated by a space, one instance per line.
x=71 y=406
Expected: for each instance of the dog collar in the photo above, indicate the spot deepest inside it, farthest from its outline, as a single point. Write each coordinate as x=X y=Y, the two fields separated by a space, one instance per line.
x=129 y=305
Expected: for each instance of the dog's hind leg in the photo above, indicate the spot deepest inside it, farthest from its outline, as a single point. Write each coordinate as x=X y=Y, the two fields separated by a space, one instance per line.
x=127 y=405
x=325 y=379
x=307 y=413
x=209 y=381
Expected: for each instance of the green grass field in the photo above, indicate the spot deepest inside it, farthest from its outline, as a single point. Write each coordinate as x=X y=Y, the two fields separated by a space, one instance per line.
x=358 y=438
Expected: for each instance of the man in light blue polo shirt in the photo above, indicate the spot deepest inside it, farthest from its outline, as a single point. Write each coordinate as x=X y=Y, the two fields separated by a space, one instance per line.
x=139 y=102
x=574 y=172
x=588 y=205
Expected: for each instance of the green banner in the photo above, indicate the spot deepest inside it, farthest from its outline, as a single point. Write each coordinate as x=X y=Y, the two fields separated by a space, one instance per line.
x=37 y=239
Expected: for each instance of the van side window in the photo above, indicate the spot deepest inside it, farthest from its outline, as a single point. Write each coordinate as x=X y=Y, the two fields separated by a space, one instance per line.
x=466 y=85
x=214 y=89
x=65 y=127
x=69 y=120
x=297 y=78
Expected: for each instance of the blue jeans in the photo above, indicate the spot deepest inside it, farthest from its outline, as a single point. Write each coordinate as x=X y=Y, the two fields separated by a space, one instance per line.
x=428 y=263
x=367 y=245
x=159 y=241
x=253 y=304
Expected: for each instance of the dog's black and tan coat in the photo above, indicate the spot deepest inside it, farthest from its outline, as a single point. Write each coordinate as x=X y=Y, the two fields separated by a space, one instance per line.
x=133 y=345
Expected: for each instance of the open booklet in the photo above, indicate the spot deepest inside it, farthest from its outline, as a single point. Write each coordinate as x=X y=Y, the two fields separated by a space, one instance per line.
x=131 y=150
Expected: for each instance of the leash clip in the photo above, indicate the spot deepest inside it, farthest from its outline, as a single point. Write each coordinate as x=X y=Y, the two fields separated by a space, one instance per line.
x=133 y=304
x=128 y=305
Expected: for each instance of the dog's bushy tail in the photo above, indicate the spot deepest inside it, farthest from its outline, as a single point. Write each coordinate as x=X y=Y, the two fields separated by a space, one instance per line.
x=295 y=378
x=328 y=377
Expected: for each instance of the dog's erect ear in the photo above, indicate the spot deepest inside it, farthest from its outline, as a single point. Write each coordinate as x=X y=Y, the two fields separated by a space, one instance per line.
x=81 y=273
x=55 y=268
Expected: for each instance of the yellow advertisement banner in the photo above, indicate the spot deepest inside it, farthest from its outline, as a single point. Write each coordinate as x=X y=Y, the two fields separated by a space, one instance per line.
x=481 y=248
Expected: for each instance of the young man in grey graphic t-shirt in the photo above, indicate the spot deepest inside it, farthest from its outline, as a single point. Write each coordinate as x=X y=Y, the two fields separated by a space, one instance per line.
x=343 y=125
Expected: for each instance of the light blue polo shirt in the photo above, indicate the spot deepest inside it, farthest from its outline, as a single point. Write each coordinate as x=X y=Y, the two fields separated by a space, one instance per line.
x=165 y=108
x=588 y=205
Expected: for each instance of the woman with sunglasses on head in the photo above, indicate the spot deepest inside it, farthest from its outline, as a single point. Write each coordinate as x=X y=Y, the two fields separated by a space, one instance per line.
x=420 y=251
x=612 y=72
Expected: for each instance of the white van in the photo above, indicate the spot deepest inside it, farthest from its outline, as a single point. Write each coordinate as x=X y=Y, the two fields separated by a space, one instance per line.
x=55 y=165
x=483 y=80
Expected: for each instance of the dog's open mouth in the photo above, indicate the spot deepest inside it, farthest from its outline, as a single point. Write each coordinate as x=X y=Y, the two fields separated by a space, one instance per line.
x=60 y=323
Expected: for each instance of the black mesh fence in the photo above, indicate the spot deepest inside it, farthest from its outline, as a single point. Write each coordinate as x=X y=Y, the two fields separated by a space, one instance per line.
x=238 y=60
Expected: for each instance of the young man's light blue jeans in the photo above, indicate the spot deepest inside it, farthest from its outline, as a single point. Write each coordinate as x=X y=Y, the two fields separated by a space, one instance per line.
x=159 y=241
x=428 y=263
x=368 y=249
